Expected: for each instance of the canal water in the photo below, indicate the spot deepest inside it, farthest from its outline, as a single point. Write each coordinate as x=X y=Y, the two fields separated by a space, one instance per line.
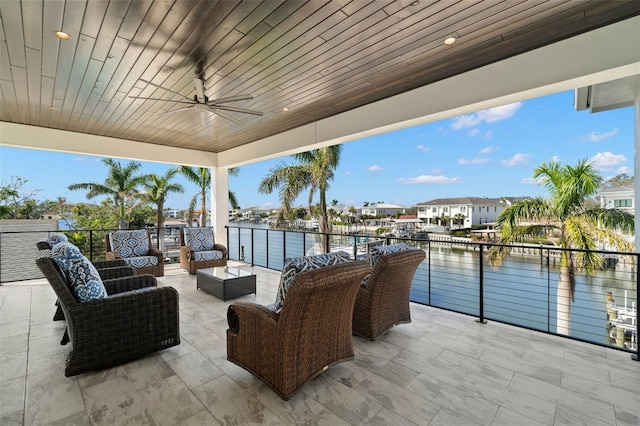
x=521 y=291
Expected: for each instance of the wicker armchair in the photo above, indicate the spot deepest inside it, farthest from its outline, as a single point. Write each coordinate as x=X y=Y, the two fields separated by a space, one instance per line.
x=311 y=332
x=198 y=250
x=117 y=329
x=384 y=302
x=108 y=270
x=134 y=247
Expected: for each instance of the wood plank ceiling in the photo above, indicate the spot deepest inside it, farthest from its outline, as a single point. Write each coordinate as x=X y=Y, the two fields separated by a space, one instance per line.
x=316 y=58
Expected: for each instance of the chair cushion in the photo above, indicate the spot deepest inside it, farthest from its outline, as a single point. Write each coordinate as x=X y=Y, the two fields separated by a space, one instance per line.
x=200 y=256
x=130 y=243
x=142 y=261
x=379 y=251
x=80 y=274
x=295 y=265
x=56 y=238
x=199 y=238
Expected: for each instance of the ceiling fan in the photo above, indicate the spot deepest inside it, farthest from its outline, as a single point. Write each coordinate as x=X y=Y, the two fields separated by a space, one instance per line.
x=202 y=104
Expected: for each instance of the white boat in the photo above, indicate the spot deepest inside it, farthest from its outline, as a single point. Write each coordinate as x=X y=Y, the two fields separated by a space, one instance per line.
x=623 y=322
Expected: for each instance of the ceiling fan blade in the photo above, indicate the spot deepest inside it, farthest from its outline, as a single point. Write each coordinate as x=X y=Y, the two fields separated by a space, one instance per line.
x=230 y=99
x=163 y=88
x=235 y=109
x=203 y=118
x=171 y=111
x=199 y=89
x=162 y=100
x=224 y=115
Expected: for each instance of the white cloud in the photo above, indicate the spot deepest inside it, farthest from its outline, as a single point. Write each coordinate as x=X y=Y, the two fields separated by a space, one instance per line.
x=530 y=181
x=473 y=132
x=598 y=137
x=347 y=173
x=375 y=168
x=439 y=179
x=516 y=160
x=555 y=159
x=466 y=161
x=624 y=169
x=606 y=160
x=489 y=134
x=423 y=148
x=436 y=171
x=490 y=115
x=487 y=150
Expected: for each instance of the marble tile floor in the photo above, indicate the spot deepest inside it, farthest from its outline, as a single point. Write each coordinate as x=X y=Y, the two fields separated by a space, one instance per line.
x=442 y=369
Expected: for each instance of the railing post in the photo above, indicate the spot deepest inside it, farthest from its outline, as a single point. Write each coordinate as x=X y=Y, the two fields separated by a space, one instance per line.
x=429 y=271
x=91 y=245
x=267 y=250
x=636 y=356
x=253 y=263
x=284 y=244
x=481 y=274
x=548 y=291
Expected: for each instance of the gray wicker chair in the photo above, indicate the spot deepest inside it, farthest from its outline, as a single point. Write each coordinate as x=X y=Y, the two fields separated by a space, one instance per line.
x=122 y=327
x=311 y=332
x=385 y=301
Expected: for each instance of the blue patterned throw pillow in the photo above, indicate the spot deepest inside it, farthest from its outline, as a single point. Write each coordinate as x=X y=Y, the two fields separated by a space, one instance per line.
x=79 y=273
x=378 y=251
x=295 y=265
x=64 y=254
x=85 y=281
x=56 y=238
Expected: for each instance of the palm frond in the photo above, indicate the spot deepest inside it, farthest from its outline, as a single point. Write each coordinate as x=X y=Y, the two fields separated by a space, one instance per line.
x=612 y=219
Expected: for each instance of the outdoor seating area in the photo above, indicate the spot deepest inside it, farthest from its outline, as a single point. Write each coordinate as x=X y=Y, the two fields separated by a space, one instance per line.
x=441 y=368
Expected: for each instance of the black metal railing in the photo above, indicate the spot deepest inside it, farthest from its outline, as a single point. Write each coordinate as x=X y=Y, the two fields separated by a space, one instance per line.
x=457 y=275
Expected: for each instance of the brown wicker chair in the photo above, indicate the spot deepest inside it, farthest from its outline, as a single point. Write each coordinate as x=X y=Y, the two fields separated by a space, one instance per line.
x=117 y=329
x=108 y=269
x=138 y=261
x=311 y=332
x=385 y=301
x=189 y=258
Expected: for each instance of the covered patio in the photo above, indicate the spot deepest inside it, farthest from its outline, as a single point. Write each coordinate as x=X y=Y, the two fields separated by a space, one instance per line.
x=322 y=73
x=443 y=368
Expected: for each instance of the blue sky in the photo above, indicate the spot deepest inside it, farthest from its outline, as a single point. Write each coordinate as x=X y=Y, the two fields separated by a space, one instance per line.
x=489 y=153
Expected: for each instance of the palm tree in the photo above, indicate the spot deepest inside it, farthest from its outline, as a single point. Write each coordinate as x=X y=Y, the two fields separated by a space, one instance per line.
x=121 y=184
x=157 y=190
x=201 y=176
x=314 y=172
x=578 y=226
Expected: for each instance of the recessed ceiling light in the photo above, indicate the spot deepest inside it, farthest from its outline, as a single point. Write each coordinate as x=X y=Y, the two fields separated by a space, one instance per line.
x=449 y=41
x=62 y=35
x=285 y=109
x=52 y=108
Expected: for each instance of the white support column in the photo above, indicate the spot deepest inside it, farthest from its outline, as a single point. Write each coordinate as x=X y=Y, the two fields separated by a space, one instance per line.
x=636 y=167
x=220 y=203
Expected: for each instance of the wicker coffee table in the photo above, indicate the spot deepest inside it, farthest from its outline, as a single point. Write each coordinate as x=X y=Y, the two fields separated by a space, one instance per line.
x=225 y=282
